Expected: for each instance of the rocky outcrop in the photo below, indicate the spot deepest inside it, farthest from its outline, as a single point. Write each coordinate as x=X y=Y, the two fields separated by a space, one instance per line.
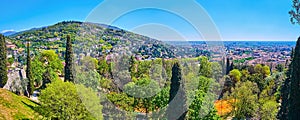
x=17 y=82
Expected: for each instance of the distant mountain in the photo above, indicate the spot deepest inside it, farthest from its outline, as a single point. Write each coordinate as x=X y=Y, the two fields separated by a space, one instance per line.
x=94 y=39
x=8 y=32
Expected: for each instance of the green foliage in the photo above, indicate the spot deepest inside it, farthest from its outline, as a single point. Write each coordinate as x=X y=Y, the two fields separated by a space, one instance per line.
x=101 y=41
x=243 y=60
x=228 y=67
x=285 y=92
x=103 y=67
x=202 y=104
x=168 y=64
x=143 y=91
x=30 y=85
x=105 y=83
x=258 y=68
x=88 y=78
x=258 y=79
x=269 y=110
x=266 y=71
x=212 y=115
x=294 y=103
x=143 y=69
x=216 y=70
x=37 y=71
x=195 y=107
x=157 y=72
x=280 y=67
x=91 y=101
x=295 y=13
x=244 y=100
x=177 y=108
x=88 y=63
x=205 y=67
x=3 y=61
x=51 y=64
x=245 y=75
x=50 y=60
x=64 y=100
x=142 y=88
x=11 y=60
x=122 y=100
x=161 y=99
x=69 y=61
x=133 y=66
x=190 y=80
x=235 y=75
x=106 y=47
x=267 y=101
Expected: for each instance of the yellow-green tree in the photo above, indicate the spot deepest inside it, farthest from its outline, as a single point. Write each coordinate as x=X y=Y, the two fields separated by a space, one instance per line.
x=235 y=75
x=52 y=66
x=67 y=101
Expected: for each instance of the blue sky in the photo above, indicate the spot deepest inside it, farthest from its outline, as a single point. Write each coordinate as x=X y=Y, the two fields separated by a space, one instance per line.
x=235 y=19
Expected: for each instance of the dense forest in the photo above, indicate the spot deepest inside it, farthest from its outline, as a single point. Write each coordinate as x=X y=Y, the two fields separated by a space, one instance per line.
x=92 y=71
x=129 y=87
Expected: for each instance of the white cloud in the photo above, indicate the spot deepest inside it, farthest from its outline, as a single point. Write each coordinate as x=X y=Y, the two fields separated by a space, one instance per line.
x=4 y=31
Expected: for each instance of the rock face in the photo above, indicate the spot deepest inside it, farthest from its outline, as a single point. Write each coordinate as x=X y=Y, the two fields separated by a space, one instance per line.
x=17 y=82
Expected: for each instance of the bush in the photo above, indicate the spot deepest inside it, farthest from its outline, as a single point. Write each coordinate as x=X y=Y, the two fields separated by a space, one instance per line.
x=64 y=100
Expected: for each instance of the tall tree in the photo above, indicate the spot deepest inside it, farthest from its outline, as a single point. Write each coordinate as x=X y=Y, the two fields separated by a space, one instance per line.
x=227 y=66
x=293 y=109
x=69 y=61
x=223 y=64
x=30 y=86
x=132 y=67
x=3 y=61
x=294 y=103
x=177 y=108
x=284 y=92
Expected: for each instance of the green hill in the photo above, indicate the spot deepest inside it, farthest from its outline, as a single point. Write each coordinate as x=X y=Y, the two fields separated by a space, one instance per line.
x=14 y=107
x=98 y=37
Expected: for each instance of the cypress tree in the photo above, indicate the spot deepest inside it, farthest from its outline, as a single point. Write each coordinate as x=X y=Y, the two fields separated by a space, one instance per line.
x=177 y=108
x=69 y=61
x=284 y=93
x=231 y=67
x=132 y=68
x=227 y=66
x=3 y=61
x=294 y=99
x=223 y=63
x=30 y=86
x=293 y=109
